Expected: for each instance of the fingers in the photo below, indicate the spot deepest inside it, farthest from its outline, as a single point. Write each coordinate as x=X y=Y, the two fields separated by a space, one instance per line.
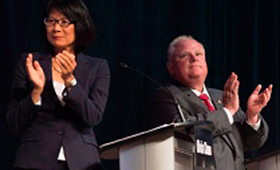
x=260 y=99
x=28 y=63
x=230 y=94
x=35 y=72
x=232 y=84
x=30 y=57
x=66 y=61
x=29 y=60
x=235 y=85
x=267 y=93
x=32 y=65
x=37 y=66
x=257 y=89
x=269 y=88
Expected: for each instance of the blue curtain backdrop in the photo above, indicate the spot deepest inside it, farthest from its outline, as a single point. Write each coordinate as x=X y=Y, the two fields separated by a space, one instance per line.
x=240 y=36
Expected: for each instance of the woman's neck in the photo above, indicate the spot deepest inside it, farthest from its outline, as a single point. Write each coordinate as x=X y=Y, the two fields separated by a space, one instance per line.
x=56 y=51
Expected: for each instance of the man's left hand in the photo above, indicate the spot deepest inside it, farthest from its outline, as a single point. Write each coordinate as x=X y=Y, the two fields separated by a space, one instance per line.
x=256 y=102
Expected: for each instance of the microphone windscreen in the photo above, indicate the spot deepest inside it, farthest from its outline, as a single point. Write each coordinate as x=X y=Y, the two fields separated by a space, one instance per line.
x=123 y=65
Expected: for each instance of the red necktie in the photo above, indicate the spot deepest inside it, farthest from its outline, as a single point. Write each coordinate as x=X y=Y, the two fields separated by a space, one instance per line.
x=206 y=101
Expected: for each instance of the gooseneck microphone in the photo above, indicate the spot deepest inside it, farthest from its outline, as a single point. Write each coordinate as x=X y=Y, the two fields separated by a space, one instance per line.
x=125 y=66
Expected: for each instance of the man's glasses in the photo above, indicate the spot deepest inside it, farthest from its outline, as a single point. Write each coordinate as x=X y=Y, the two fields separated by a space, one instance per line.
x=51 y=22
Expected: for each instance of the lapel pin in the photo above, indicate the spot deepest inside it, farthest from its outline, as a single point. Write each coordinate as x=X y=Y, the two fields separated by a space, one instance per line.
x=219 y=101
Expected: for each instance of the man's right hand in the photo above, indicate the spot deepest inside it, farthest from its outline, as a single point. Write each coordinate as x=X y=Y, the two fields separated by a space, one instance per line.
x=230 y=94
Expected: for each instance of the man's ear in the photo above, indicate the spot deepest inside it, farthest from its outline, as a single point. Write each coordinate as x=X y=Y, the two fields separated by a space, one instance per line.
x=169 y=66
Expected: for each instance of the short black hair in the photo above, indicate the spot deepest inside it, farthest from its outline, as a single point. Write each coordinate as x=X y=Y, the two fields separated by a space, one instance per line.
x=77 y=12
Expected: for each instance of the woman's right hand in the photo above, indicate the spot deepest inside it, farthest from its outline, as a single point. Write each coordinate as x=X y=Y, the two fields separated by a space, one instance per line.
x=37 y=76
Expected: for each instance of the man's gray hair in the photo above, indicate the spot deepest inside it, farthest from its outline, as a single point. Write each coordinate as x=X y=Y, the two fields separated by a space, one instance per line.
x=172 y=45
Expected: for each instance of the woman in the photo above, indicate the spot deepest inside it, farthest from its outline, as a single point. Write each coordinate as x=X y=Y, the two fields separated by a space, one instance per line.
x=59 y=96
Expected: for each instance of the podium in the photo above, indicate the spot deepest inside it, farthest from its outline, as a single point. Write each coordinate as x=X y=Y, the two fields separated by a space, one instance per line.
x=269 y=161
x=175 y=146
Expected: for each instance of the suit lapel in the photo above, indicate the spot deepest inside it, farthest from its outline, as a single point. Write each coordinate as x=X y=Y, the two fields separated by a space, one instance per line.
x=82 y=67
x=191 y=102
x=45 y=61
x=190 y=97
x=216 y=100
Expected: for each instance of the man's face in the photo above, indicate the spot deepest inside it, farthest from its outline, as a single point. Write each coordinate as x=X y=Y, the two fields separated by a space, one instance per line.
x=188 y=64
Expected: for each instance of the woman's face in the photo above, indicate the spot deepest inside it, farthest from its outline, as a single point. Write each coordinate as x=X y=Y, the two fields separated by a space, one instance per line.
x=61 y=37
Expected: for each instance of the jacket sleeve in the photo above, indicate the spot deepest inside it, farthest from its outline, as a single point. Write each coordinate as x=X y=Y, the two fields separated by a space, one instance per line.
x=89 y=104
x=21 y=109
x=253 y=139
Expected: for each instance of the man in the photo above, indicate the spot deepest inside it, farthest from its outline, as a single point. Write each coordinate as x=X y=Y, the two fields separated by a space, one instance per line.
x=233 y=130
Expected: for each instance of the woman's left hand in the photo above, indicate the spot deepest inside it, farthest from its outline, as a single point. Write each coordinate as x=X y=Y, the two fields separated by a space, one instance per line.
x=67 y=64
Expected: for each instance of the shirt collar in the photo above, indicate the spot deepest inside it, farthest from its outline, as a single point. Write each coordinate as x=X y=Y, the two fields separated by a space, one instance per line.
x=198 y=93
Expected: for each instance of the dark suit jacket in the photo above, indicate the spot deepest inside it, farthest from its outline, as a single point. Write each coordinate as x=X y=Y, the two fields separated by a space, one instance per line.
x=229 y=141
x=46 y=128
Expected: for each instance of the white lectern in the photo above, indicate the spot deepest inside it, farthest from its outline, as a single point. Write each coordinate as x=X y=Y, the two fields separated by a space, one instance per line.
x=266 y=162
x=167 y=147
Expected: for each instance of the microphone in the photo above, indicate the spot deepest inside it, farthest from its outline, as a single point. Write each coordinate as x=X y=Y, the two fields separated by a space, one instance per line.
x=125 y=66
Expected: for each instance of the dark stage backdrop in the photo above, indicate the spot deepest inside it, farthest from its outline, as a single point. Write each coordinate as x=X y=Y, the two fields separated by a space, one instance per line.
x=240 y=36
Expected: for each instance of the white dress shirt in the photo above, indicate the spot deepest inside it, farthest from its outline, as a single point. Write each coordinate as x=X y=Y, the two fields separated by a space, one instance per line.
x=58 y=88
x=255 y=126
